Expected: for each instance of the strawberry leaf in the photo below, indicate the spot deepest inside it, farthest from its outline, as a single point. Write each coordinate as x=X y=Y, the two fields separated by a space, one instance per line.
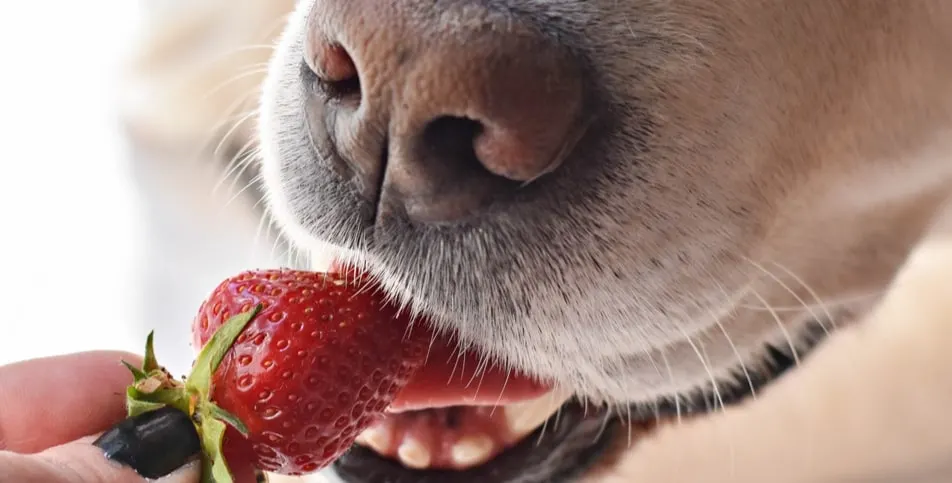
x=135 y=407
x=175 y=397
x=217 y=412
x=150 y=363
x=214 y=467
x=214 y=351
x=137 y=373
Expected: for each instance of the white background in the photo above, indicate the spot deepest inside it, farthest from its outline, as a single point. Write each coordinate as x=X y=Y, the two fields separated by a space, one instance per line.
x=70 y=216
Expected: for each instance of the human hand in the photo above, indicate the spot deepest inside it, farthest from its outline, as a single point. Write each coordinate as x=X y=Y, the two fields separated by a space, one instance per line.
x=49 y=411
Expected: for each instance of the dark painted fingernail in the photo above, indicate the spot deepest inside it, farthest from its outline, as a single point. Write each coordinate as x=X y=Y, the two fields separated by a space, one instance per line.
x=154 y=444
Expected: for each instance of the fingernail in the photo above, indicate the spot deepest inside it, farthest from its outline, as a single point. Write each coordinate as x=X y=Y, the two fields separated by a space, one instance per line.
x=154 y=444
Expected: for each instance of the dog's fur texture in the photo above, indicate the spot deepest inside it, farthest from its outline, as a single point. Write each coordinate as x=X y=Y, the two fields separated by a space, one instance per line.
x=767 y=165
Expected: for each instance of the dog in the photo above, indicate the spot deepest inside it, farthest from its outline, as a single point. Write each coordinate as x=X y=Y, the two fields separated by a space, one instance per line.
x=720 y=230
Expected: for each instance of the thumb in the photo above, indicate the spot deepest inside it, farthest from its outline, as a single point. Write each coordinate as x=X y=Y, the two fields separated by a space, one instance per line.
x=79 y=462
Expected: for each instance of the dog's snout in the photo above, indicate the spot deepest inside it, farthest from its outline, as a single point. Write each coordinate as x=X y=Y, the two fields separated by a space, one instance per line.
x=439 y=116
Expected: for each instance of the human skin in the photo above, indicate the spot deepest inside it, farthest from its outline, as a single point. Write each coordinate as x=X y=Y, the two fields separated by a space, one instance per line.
x=52 y=408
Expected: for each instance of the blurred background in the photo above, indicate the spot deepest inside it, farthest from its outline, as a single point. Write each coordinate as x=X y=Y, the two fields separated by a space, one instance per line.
x=128 y=194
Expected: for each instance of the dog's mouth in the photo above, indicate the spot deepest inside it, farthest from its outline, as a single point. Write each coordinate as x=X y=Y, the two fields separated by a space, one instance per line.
x=463 y=422
x=456 y=415
x=461 y=419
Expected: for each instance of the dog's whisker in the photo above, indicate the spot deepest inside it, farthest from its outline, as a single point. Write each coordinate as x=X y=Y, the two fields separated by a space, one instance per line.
x=558 y=412
x=242 y=168
x=201 y=151
x=791 y=291
x=231 y=131
x=277 y=241
x=502 y=391
x=481 y=370
x=263 y=231
x=244 y=156
x=816 y=297
x=864 y=297
x=254 y=181
x=233 y=114
x=555 y=420
x=671 y=378
x=601 y=431
x=541 y=437
x=251 y=72
x=245 y=48
x=701 y=351
x=783 y=329
x=718 y=402
x=730 y=341
x=456 y=363
x=629 y=424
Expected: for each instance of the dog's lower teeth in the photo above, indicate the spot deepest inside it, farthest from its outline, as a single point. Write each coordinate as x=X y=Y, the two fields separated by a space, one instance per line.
x=427 y=439
x=472 y=450
x=413 y=454
x=376 y=438
x=525 y=417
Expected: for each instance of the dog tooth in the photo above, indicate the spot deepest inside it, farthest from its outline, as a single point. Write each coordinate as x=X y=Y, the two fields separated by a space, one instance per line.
x=524 y=417
x=376 y=438
x=472 y=450
x=414 y=455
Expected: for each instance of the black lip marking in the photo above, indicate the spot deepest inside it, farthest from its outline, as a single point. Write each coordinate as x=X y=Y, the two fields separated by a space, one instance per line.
x=154 y=444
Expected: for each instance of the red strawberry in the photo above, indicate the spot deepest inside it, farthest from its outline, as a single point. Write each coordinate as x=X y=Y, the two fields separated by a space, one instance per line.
x=311 y=361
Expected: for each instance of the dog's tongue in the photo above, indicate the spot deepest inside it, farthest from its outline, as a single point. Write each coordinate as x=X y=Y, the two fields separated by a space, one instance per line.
x=451 y=379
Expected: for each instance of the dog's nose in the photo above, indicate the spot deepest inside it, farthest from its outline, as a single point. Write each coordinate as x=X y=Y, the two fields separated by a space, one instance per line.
x=439 y=109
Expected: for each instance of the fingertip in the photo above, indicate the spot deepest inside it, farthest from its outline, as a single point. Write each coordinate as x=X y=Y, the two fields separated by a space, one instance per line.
x=82 y=462
x=52 y=400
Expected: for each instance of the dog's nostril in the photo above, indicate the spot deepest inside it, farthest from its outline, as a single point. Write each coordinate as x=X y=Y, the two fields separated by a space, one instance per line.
x=451 y=139
x=334 y=68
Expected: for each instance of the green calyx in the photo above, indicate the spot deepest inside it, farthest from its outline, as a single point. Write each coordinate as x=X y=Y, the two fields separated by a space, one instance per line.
x=153 y=388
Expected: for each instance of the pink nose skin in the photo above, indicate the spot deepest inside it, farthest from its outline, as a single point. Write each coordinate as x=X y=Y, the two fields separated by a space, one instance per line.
x=439 y=112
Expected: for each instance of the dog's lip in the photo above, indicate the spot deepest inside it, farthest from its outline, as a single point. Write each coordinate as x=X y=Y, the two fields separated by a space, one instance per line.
x=452 y=377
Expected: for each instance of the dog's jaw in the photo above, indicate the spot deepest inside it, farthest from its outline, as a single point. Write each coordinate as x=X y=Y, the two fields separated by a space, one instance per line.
x=711 y=202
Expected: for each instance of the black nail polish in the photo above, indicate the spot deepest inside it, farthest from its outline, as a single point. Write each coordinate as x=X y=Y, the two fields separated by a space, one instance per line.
x=154 y=444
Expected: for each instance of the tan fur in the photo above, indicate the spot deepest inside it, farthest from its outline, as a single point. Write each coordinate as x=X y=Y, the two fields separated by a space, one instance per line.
x=197 y=73
x=872 y=404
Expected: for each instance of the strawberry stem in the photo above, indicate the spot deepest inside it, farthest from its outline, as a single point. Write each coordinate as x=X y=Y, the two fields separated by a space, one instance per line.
x=154 y=388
